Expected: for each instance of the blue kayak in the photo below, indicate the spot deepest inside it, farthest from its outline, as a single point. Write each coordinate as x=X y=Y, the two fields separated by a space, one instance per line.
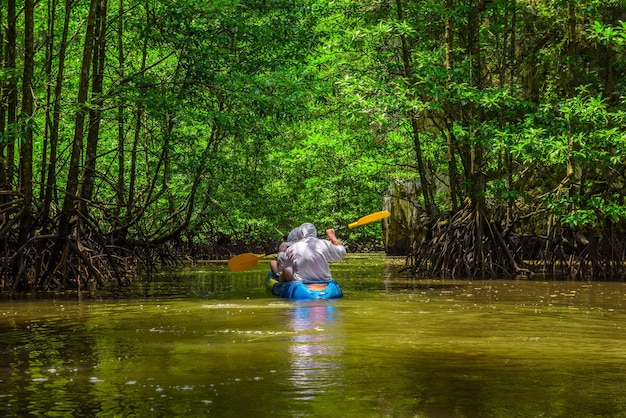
x=299 y=290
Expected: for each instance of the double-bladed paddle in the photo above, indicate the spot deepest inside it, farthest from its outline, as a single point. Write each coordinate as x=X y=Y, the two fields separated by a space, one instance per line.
x=246 y=261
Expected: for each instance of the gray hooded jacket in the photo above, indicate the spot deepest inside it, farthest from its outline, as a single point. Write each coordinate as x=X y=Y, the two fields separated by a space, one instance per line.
x=310 y=256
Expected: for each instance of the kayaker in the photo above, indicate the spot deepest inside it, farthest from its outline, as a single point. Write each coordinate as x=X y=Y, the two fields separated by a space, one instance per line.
x=277 y=266
x=309 y=256
x=278 y=269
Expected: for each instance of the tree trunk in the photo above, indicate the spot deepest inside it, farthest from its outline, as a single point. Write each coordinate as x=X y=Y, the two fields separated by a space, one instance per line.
x=72 y=185
x=168 y=127
x=429 y=202
x=512 y=64
x=51 y=14
x=133 y=158
x=26 y=148
x=121 y=143
x=450 y=140
x=3 y=112
x=56 y=116
x=95 y=110
x=69 y=204
x=9 y=165
x=476 y=176
x=26 y=143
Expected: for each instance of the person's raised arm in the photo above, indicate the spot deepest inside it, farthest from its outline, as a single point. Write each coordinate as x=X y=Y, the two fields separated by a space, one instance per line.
x=330 y=233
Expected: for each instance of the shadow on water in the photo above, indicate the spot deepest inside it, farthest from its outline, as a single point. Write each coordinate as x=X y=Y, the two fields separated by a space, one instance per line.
x=208 y=342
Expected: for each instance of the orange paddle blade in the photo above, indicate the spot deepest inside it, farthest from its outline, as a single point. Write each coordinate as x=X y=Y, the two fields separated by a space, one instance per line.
x=244 y=261
x=370 y=218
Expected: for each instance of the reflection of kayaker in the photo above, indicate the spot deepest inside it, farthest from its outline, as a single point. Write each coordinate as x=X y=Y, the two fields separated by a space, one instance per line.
x=312 y=315
x=315 y=351
x=308 y=258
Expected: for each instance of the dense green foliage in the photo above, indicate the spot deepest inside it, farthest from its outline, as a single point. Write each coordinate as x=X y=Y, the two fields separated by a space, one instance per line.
x=133 y=129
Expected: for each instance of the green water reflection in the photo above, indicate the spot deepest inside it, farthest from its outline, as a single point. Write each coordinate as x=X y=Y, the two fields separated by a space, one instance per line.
x=207 y=342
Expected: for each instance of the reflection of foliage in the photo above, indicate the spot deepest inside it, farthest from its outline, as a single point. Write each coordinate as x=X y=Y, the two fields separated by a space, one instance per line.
x=45 y=356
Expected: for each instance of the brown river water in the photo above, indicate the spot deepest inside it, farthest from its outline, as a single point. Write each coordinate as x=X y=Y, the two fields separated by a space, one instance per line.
x=204 y=342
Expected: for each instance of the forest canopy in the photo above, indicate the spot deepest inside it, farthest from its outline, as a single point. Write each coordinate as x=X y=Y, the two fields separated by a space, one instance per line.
x=136 y=133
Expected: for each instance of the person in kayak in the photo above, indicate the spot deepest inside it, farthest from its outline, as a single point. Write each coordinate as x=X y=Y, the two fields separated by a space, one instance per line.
x=279 y=271
x=310 y=255
x=277 y=265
